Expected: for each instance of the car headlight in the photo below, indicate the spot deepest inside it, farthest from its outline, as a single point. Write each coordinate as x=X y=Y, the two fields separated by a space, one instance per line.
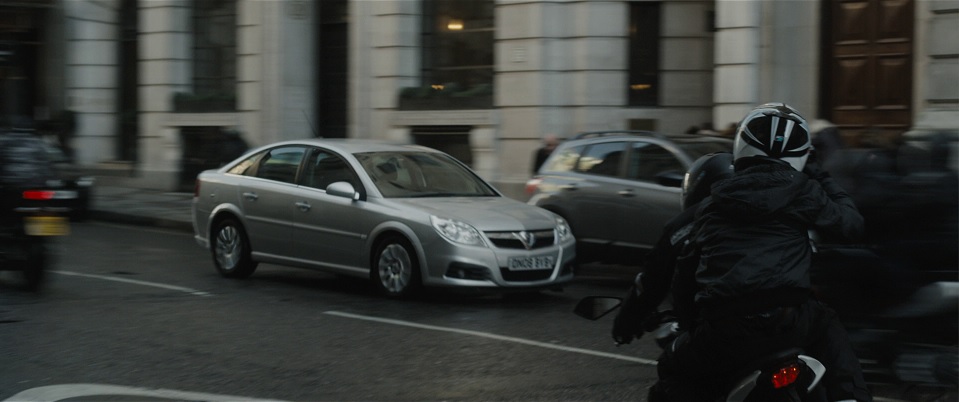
x=563 y=231
x=456 y=231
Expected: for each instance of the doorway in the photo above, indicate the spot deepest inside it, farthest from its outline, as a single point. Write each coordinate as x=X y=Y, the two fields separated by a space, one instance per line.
x=867 y=64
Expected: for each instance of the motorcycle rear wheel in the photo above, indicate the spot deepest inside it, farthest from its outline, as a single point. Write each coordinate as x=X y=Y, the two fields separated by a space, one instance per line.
x=34 y=266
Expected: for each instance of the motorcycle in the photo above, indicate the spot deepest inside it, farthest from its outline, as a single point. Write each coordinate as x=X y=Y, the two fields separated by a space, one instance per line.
x=907 y=339
x=788 y=375
x=28 y=219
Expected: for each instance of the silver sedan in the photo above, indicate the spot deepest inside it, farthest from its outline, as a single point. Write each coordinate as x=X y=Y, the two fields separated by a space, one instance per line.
x=404 y=216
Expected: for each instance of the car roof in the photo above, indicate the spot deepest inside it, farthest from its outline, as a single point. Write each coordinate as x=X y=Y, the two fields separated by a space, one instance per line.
x=354 y=145
x=684 y=138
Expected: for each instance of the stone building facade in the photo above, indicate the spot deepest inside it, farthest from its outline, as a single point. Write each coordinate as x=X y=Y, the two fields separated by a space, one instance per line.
x=154 y=84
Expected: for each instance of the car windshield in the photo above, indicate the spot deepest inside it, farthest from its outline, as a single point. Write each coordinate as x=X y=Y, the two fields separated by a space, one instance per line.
x=421 y=174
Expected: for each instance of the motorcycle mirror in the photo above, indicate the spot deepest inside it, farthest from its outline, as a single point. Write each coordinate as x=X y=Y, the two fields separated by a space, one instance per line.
x=595 y=307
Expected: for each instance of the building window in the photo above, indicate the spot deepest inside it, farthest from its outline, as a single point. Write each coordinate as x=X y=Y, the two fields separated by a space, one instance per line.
x=458 y=47
x=644 y=21
x=454 y=140
x=214 y=53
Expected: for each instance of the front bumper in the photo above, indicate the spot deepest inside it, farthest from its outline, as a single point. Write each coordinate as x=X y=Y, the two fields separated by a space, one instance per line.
x=450 y=265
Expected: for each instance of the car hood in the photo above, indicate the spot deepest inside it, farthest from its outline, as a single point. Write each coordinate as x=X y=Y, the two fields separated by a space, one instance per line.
x=486 y=213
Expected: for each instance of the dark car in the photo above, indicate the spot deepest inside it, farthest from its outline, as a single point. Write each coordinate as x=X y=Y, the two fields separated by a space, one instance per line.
x=616 y=189
x=73 y=187
x=34 y=205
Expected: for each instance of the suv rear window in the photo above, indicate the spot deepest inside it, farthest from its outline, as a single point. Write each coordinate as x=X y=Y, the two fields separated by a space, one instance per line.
x=604 y=159
x=564 y=160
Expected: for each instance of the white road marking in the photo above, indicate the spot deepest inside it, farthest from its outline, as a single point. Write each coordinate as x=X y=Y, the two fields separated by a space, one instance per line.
x=61 y=392
x=493 y=336
x=136 y=282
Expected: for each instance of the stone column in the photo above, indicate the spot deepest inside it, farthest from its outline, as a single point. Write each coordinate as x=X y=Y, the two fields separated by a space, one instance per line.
x=165 y=69
x=91 y=76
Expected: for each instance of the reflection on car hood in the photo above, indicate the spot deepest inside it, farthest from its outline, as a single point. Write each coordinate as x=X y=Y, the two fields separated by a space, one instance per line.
x=485 y=213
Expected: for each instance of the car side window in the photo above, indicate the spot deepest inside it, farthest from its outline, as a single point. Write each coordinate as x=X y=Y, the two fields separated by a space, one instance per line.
x=565 y=159
x=325 y=168
x=280 y=164
x=647 y=160
x=244 y=167
x=605 y=158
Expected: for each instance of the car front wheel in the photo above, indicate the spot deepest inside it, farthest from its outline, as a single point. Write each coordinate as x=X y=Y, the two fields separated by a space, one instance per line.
x=395 y=270
x=231 y=250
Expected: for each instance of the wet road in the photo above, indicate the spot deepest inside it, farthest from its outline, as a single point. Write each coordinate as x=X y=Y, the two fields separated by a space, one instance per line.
x=141 y=314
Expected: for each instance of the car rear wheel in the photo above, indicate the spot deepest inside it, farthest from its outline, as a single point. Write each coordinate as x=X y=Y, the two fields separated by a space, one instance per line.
x=231 y=250
x=395 y=270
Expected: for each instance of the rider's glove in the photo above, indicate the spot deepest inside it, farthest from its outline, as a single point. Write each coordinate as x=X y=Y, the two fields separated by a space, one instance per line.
x=813 y=167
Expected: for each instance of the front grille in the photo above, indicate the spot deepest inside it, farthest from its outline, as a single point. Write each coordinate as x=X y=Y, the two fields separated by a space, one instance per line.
x=525 y=276
x=522 y=240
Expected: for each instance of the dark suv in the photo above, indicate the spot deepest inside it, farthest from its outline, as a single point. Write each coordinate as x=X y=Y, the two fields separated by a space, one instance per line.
x=616 y=189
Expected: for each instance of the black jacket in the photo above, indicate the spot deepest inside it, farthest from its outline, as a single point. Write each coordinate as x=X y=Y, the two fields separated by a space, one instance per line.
x=751 y=237
x=657 y=279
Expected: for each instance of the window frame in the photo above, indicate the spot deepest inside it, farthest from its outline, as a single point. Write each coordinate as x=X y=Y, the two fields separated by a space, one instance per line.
x=644 y=53
x=431 y=71
x=213 y=78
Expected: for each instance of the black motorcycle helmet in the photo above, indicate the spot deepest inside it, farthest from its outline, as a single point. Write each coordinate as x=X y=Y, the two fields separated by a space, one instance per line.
x=705 y=171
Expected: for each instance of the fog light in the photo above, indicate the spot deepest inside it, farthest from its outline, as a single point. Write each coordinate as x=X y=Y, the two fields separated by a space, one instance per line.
x=461 y=270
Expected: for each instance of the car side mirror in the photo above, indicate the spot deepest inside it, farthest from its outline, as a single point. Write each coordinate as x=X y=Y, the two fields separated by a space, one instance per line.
x=343 y=189
x=671 y=178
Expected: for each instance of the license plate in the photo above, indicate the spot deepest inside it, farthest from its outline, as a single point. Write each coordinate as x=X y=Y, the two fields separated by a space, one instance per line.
x=64 y=195
x=46 y=226
x=530 y=263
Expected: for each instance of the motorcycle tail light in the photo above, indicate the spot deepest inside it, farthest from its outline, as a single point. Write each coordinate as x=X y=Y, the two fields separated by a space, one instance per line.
x=38 y=195
x=785 y=376
x=532 y=185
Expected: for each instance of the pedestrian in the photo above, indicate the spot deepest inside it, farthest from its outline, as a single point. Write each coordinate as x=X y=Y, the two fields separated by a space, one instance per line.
x=550 y=141
x=750 y=254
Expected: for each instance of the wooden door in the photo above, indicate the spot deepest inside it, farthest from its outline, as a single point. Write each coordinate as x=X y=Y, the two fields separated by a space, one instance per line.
x=867 y=68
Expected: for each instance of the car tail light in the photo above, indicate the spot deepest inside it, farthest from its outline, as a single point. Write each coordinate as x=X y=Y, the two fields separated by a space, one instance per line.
x=785 y=376
x=38 y=195
x=532 y=185
x=196 y=189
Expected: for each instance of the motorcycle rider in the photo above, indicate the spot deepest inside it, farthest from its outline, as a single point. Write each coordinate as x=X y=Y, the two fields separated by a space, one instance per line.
x=748 y=260
x=651 y=286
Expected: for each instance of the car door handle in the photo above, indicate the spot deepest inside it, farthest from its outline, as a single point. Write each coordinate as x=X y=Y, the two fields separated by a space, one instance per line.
x=303 y=206
x=626 y=193
x=568 y=187
x=250 y=196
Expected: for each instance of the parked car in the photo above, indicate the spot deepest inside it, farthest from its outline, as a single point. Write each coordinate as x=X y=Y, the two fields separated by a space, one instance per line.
x=616 y=189
x=404 y=216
